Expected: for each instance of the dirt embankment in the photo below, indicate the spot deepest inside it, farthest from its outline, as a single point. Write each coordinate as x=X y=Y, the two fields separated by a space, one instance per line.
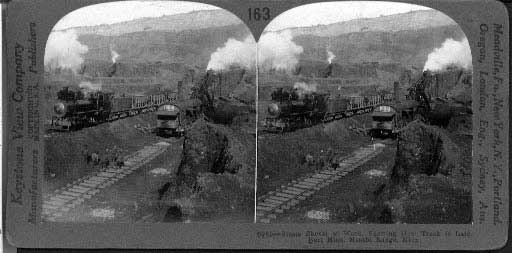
x=431 y=178
x=424 y=179
x=66 y=152
x=287 y=156
x=233 y=113
x=215 y=178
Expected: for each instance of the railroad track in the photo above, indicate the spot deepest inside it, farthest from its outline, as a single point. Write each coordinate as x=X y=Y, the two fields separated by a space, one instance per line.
x=60 y=202
x=275 y=203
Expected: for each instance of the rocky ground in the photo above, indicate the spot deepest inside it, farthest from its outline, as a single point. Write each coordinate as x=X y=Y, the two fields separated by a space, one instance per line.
x=284 y=157
x=66 y=152
x=134 y=198
x=215 y=179
x=422 y=177
x=208 y=173
x=431 y=177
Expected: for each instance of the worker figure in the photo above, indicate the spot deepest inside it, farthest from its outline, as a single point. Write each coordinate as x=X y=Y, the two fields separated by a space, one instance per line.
x=95 y=158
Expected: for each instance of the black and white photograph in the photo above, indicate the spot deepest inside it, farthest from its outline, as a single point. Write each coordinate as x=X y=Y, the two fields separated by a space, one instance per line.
x=263 y=125
x=147 y=119
x=366 y=117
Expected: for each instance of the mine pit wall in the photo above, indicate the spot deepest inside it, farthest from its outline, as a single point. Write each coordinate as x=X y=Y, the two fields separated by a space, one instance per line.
x=131 y=69
x=127 y=77
x=318 y=69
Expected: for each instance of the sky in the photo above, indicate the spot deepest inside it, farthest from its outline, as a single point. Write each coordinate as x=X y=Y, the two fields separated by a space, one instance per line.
x=324 y=13
x=115 y=12
x=333 y=12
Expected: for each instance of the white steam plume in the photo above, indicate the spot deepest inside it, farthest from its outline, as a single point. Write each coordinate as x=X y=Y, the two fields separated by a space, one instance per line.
x=64 y=50
x=330 y=56
x=276 y=51
x=234 y=53
x=88 y=87
x=114 y=55
x=304 y=88
x=451 y=53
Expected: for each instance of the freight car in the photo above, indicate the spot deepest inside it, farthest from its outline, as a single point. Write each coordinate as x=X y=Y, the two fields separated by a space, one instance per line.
x=168 y=120
x=291 y=110
x=388 y=120
x=171 y=117
x=76 y=109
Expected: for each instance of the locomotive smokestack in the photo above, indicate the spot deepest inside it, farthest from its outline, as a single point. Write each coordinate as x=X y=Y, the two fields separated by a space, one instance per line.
x=180 y=90
x=329 y=71
x=330 y=56
x=396 y=91
x=113 y=70
x=114 y=55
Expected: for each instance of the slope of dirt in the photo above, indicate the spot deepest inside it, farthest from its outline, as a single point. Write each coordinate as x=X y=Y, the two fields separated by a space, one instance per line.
x=282 y=157
x=429 y=150
x=66 y=152
x=215 y=179
x=431 y=178
x=437 y=194
x=351 y=199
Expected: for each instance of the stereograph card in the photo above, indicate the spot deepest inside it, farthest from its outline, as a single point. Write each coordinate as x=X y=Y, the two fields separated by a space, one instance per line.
x=256 y=124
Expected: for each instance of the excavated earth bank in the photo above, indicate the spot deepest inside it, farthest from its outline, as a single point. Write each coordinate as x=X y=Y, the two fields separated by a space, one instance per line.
x=431 y=178
x=215 y=179
x=66 y=152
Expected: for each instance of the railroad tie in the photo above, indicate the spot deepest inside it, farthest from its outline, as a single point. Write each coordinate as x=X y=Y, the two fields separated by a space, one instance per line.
x=274 y=203
x=73 y=194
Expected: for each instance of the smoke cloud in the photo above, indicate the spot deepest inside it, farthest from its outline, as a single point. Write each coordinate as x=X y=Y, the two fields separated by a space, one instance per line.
x=114 y=55
x=276 y=51
x=88 y=87
x=330 y=56
x=64 y=50
x=234 y=53
x=304 y=88
x=451 y=53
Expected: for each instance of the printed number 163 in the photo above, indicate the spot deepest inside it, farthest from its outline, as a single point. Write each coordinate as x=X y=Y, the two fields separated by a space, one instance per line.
x=259 y=13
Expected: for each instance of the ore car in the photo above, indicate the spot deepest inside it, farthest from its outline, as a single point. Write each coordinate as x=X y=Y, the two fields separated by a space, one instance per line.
x=383 y=121
x=168 y=120
x=76 y=109
x=291 y=110
x=388 y=120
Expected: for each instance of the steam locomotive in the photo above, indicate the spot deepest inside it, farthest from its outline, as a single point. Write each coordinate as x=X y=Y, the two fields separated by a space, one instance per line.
x=76 y=109
x=292 y=109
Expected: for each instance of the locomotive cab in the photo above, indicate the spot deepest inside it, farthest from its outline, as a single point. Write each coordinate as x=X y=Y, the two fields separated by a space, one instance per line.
x=169 y=120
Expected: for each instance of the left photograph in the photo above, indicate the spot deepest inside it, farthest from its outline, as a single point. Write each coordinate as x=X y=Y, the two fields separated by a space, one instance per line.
x=149 y=115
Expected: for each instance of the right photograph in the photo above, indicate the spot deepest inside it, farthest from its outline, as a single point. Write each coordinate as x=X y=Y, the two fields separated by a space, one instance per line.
x=364 y=116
